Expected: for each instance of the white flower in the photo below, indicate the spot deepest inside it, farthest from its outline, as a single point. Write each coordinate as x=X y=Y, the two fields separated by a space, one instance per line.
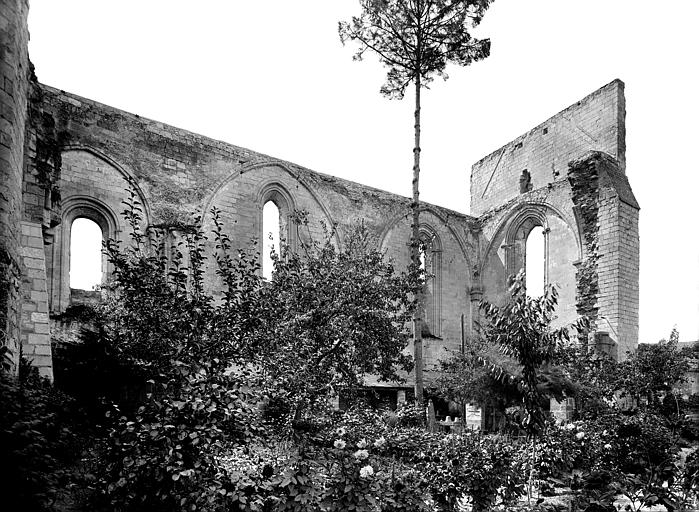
x=579 y=435
x=380 y=442
x=607 y=446
x=366 y=471
x=339 y=444
x=361 y=454
x=341 y=431
x=570 y=426
x=362 y=444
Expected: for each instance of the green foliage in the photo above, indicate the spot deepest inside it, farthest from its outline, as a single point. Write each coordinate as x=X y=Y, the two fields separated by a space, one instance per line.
x=189 y=371
x=481 y=468
x=201 y=395
x=38 y=441
x=416 y=39
x=330 y=316
x=595 y=376
x=522 y=331
x=468 y=377
x=650 y=373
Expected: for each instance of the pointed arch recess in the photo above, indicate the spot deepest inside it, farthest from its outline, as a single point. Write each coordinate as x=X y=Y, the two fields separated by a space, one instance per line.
x=520 y=218
x=261 y=165
x=125 y=172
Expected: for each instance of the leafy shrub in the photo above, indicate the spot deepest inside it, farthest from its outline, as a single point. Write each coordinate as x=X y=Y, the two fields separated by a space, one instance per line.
x=411 y=415
x=485 y=469
x=212 y=376
x=39 y=441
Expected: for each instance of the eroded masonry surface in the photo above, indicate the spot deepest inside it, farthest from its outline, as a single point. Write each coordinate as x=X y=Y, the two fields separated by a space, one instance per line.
x=64 y=157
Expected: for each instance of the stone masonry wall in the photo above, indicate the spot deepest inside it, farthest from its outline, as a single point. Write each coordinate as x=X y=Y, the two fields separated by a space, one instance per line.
x=594 y=123
x=551 y=208
x=618 y=258
x=36 y=342
x=178 y=174
x=63 y=157
x=14 y=71
x=608 y=273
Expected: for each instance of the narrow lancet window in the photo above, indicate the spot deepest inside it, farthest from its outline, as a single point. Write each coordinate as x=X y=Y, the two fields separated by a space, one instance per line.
x=535 y=259
x=271 y=231
x=85 y=254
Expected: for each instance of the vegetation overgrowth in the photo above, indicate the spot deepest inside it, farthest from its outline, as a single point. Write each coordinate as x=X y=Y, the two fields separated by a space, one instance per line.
x=172 y=398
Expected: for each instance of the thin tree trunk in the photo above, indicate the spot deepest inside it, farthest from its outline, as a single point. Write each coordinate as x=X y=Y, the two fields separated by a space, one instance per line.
x=415 y=250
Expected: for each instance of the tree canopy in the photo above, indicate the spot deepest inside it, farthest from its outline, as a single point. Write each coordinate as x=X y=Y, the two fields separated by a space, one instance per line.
x=416 y=39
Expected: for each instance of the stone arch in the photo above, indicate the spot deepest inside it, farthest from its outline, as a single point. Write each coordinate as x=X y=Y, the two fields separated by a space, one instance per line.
x=259 y=165
x=240 y=199
x=126 y=173
x=453 y=294
x=274 y=191
x=433 y=286
x=521 y=218
x=516 y=234
x=73 y=208
x=390 y=226
x=93 y=186
x=505 y=254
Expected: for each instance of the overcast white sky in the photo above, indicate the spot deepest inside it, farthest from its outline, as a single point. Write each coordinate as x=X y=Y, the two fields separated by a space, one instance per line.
x=272 y=76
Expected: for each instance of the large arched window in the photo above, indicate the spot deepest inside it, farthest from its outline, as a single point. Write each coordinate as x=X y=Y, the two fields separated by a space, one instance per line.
x=271 y=237
x=77 y=262
x=85 y=254
x=276 y=208
x=526 y=247
x=431 y=263
x=535 y=262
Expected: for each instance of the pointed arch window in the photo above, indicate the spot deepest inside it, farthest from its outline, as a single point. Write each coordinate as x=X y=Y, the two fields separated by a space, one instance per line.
x=271 y=237
x=526 y=247
x=535 y=262
x=431 y=263
x=276 y=206
x=77 y=262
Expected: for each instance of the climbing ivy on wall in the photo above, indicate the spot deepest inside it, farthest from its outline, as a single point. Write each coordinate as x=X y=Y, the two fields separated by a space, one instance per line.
x=49 y=144
x=584 y=182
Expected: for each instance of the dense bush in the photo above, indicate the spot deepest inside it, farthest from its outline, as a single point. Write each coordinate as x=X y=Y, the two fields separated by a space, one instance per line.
x=198 y=403
x=39 y=441
x=197 y=378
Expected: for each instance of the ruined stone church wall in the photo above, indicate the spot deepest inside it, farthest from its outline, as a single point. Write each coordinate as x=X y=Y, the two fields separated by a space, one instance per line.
x=575 y=187
x=14 y=84
x=63 y=157
x=595 y=123
x=178 y=174
x=505 y=233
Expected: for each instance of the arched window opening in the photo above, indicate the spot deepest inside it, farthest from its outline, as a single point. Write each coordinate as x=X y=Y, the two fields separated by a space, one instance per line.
x=535 y=262
x=85 y=254
x=271 y=235
x=430 y=264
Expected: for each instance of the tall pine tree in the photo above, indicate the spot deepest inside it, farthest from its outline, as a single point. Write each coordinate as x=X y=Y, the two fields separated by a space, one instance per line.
x=415 y=40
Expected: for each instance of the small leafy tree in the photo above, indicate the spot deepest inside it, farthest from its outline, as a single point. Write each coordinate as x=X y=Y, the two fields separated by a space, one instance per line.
x=650 y=374
x=328 y=317
x=467 y=377
x=203 y=366
x=522 y=330
x=595 y=376
x=189 y=405
x=415 y=40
